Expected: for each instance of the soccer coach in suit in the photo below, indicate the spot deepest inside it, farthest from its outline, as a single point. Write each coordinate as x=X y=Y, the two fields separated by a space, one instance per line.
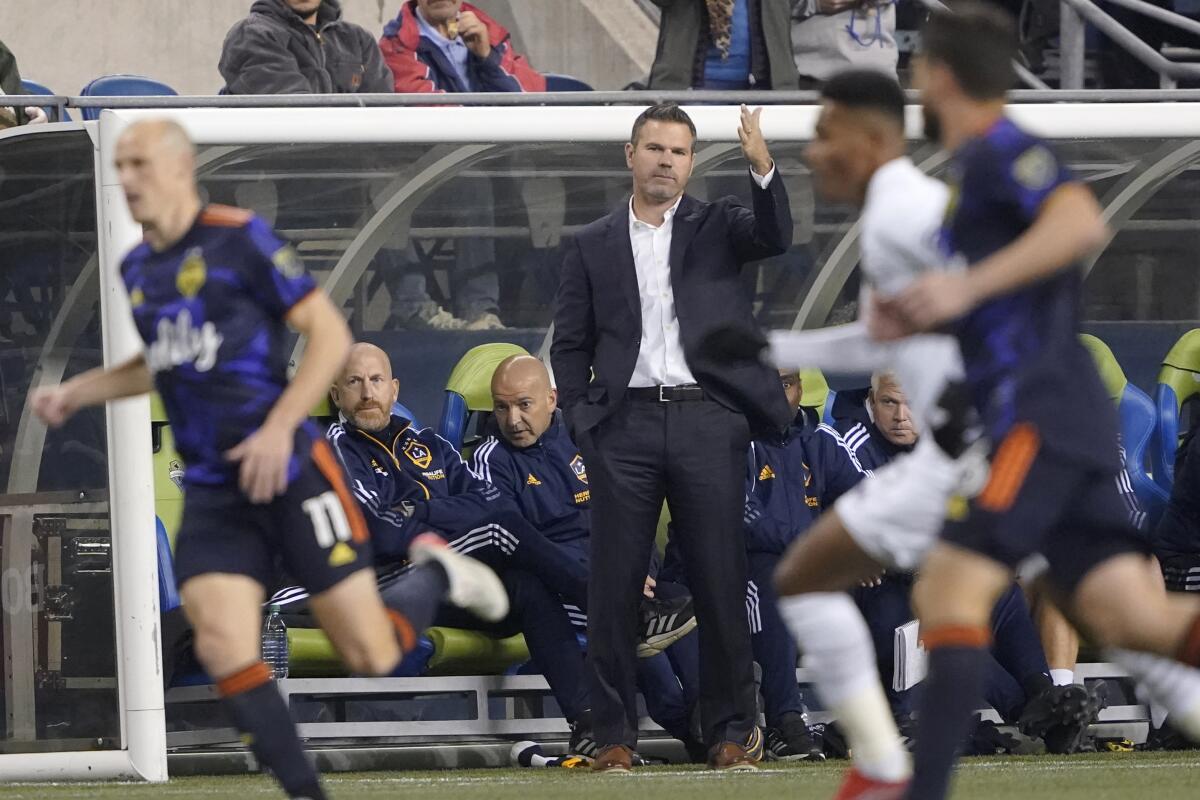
x=639 y=289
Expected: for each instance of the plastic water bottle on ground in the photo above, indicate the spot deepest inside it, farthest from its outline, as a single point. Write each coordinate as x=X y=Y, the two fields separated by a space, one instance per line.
x=275 y=643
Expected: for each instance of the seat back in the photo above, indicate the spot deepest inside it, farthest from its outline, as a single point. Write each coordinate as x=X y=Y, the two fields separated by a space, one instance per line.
x=167 y=467
x=33 y=87
x=168 y=593
x=1178 y=385
x=469 y=388
x=123 y=86
x=1137 y=419
x=565 y=83
x=816 y=394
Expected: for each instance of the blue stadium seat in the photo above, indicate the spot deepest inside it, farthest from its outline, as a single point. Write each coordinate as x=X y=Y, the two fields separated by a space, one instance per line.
x=123 y=86
x=565 y=83
x=827 y=412
x=401 y=410
x=33 y=87
x=168 y=594
x=1137 y=418
x=1178 y=386
x=469 y=388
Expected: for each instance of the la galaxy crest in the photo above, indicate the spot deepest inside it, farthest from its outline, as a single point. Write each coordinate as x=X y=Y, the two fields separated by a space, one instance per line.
x=193 y=272
x=418 y=453
x=579 y=468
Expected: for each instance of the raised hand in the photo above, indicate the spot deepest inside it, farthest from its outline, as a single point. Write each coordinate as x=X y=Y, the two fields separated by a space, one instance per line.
x=754 y=146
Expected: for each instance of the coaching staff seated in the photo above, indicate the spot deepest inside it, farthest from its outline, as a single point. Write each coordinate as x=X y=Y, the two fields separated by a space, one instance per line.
x=639 y=288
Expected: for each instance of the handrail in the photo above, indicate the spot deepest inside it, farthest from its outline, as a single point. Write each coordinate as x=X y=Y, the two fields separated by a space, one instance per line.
x=1161 y=14
x=1023 y=74
x=1122 y=37
x=566 y=98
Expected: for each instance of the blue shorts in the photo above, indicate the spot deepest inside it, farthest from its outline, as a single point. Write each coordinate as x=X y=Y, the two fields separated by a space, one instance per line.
x=1038 y=502
x=313 y=535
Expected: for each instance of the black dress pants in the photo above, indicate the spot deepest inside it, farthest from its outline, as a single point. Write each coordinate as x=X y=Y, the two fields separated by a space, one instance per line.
x=693 y=455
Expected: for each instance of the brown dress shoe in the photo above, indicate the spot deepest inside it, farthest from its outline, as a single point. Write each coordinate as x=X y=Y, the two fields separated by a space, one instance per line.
x=731 y=757
x=616 y=759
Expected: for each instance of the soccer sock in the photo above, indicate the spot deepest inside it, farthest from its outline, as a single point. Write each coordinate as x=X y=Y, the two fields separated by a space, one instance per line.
x=262 y=716
x=1174 y=685
x=958 y=659
x=830 y=631
x=413 y=600
x=1062 y=677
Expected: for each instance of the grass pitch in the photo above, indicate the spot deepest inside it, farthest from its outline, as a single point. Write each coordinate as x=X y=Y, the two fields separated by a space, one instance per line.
x=1108 y=776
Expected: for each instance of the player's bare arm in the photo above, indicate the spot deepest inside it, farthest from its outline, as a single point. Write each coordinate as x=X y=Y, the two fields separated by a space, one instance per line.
x=54 y=405
x=265 y=453
x=1068 y=227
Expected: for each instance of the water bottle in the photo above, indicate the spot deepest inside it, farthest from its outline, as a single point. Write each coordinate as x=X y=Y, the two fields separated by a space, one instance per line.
x=275 y=643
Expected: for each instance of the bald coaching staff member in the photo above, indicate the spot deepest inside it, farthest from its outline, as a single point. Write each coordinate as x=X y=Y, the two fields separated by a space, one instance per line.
x=640 y=287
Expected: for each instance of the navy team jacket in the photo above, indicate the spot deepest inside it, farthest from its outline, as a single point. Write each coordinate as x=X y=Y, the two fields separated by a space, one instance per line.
x=791 y=480
x=409 y=481
x=547 y=480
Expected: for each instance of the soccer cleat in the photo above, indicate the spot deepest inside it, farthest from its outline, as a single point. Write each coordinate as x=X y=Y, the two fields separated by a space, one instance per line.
x=792 y=741
x=582 y=743
x=473 y=586
x=1060 y=716
x=859 y=787
x=664 y=622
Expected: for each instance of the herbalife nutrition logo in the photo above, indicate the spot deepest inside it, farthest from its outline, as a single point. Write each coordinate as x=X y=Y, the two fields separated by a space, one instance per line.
x=178 y=343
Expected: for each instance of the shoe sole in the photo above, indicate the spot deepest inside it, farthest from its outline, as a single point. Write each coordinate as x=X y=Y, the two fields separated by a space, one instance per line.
x=473 y=586
x=660 y=642
x=737 y=768
x=769 y=756
x=612 y=771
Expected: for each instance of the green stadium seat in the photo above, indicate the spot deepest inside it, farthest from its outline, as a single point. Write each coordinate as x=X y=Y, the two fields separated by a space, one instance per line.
x=1178 y=385
x=1137 y=418
x=455 y=652
x=469 y=389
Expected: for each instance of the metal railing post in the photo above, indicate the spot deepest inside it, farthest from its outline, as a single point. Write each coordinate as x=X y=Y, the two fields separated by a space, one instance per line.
x=1072 y=47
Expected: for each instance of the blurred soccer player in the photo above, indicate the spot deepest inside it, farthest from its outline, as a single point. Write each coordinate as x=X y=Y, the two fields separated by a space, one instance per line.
x=889 y=521
x=211 y=290
x=1023 y=224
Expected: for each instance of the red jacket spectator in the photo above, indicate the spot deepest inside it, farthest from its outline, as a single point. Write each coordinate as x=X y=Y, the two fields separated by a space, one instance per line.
x=419 y=64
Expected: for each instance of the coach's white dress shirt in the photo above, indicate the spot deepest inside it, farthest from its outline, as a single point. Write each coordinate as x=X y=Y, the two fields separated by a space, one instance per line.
x=660 y=360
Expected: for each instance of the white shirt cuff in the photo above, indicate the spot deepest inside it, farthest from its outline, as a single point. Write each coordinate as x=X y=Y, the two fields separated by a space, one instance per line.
x=763 y=180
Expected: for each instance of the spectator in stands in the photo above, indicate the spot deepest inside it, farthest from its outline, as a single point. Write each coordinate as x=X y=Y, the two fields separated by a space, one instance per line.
x=452 y=46
x=723 y=44
x=534 y=462
x=831 y=35
x=10 y=83
x=300 y=47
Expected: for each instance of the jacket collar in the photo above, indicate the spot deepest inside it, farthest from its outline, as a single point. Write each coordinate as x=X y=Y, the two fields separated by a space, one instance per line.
x=685 y=221
x=552 y=434
x=386 y=437
x=405 y=28
x=329 y=12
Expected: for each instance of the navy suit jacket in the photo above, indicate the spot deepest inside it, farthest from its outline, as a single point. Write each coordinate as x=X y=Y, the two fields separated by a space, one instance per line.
x=598 y=317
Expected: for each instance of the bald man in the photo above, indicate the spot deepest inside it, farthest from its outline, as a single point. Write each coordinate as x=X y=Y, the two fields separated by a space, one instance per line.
x=211 y=290
x=535 y=463
x=409 y=480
